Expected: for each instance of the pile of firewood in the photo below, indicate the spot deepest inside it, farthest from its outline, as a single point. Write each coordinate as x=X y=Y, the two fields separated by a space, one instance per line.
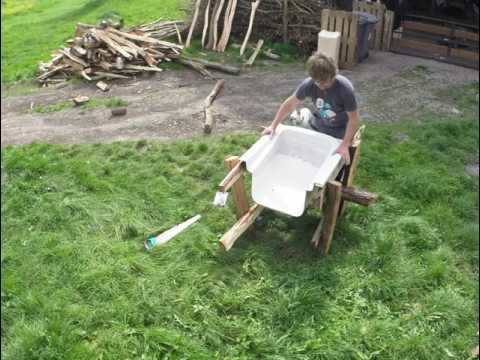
x=294 y=21
x=110 y=53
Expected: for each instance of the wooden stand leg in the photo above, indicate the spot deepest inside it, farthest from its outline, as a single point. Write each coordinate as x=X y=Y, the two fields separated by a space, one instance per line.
x=240 y=227
x=350 y=170
x=324 y=233
x=238 y=189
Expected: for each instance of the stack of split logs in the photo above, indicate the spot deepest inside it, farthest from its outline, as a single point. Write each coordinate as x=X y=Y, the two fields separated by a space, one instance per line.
x=110 y=53
x=294 y=21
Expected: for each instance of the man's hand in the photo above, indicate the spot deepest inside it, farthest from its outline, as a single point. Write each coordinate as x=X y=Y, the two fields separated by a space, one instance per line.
x=344 y=152
x=270 y=130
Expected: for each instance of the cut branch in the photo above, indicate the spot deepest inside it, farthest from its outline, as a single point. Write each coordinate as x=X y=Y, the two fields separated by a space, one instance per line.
x=194 y=23
x=250 y=26
x=209 y=118
x=360 y=197
x=205 y=23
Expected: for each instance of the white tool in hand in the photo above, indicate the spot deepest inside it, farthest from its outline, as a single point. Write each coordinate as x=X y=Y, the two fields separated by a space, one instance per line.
x=166 y=236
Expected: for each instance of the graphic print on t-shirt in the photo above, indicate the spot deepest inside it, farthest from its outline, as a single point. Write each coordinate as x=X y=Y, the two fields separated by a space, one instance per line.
x=325 y=110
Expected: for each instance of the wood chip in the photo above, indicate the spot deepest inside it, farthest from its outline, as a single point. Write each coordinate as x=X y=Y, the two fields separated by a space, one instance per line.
x=103 y=86
x=80 y=100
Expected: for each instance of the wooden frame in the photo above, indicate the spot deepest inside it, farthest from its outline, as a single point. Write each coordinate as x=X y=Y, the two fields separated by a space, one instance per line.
x=331 y=199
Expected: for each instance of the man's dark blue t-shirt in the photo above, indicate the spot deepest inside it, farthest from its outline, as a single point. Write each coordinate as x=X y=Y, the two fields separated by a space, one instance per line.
x=331 y=105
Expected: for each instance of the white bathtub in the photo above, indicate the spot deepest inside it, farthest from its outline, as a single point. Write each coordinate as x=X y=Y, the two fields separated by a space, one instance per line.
x=290 y=164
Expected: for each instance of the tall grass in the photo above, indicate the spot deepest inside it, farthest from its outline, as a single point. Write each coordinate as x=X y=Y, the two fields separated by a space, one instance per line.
x=401 y=282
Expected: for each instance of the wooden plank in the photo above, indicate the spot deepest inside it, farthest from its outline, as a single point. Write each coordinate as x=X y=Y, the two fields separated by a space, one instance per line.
x=216 y=18
x=242 y=225
x=194 y=23
x=465 y=54
x=232 y=177
x=228 y=69
x=143 y=68
x=250 y=26
x=110 y=75
x=350 y=170
x=398 y=49
x=352 y=42
x=101 y=35
x=255 y=53
x=427 y=28
x=228 y=28
x=380 y=13
x=238 y=189
x=226 y=18
x=378 y=10
x=205 y=25
x=343 y=34
x=127 y=44
x=325 y=19
x=285 y=21
x=433 y=49
x=324 y=233
x=74 y=58
x=387 y=30
x=346 y=23
x=214 y=93
x=211 y=36
x=466 y=35
x=209 y=118
x=196 y=66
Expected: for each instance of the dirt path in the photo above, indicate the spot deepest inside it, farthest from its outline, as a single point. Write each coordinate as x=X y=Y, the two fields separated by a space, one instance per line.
x=169 y=105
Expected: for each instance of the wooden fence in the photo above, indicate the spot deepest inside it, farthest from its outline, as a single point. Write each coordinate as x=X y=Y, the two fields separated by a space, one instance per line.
x=382 y=34
x=346 y=23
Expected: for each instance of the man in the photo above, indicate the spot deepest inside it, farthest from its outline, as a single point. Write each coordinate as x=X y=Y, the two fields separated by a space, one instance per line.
x=333 y=96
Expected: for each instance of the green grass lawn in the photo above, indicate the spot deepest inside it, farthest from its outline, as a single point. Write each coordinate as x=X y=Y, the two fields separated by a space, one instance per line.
x=32 y=29
x=401 y=282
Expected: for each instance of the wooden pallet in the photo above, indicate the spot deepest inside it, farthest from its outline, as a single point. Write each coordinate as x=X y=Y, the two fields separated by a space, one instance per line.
x=346 y=23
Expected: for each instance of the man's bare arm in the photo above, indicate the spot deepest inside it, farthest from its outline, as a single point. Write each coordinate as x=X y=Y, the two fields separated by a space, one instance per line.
x=352 y=127
x=285 y=109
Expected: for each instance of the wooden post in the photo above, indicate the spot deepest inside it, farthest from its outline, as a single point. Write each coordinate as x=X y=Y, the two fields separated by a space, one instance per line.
x=359 y=197
x=238 y=189
x=194 y=23
x=240 y=227
x=232 y=177
x=250 y=26
x=285 y=21
x=324 y=233
x=214 y=25
x=255 y=53
x=388 y=30
x=205 y=24
x=352 y=43
x=350 y=170
x=209 y=119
